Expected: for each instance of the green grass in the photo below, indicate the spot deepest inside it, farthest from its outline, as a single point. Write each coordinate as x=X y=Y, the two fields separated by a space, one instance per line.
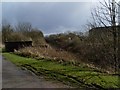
x=73 y=75
x=0 y=51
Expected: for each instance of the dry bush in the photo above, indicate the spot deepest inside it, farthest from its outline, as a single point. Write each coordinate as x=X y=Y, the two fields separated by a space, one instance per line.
x=17 y=36
x=58 y=55
x=96 y=50
x=48 y=52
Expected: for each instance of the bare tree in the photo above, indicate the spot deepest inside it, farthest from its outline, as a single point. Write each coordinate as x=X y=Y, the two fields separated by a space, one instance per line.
x=23 y=27
x=105 y=15
x=6 y=31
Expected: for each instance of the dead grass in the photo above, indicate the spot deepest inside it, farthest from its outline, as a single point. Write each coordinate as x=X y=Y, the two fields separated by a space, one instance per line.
x=41 y=52
x=47 y=52
x=1 y=45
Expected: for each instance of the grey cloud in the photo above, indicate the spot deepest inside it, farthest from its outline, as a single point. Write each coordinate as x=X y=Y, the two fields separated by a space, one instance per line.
x=48 y=16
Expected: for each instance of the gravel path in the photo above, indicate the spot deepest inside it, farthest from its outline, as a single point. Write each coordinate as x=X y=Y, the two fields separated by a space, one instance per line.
x=14 y=77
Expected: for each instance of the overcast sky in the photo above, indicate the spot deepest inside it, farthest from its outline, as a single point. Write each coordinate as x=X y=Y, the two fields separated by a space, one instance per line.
x=50 y=17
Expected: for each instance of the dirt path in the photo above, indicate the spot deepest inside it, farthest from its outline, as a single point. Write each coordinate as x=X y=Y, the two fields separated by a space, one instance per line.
x=14 y=77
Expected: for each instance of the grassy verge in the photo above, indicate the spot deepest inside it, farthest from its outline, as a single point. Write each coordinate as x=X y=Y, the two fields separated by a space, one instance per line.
x=73 y=75
x=0 y=50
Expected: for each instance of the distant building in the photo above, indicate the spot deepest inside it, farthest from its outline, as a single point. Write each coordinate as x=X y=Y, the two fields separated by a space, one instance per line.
x=106 y=31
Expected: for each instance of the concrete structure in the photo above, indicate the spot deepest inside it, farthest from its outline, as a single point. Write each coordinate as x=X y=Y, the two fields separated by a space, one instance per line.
x=10 y=46
x=106 y=31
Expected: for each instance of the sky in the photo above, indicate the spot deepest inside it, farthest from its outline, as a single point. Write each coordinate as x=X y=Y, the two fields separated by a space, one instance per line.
x=49 y=17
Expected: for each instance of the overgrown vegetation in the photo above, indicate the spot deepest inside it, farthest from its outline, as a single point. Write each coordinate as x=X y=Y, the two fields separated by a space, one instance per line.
x=22 y=32
x=99 y=50
x=48 y=52
x=73 y=47
x=81 y=76
x=89 y=49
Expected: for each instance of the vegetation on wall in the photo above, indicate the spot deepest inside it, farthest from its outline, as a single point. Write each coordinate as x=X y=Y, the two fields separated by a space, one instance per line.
x=22 y=32
x=89 y=49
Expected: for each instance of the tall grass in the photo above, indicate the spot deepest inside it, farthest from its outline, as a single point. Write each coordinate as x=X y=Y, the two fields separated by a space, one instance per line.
x=56 y=55
x=47 y=53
